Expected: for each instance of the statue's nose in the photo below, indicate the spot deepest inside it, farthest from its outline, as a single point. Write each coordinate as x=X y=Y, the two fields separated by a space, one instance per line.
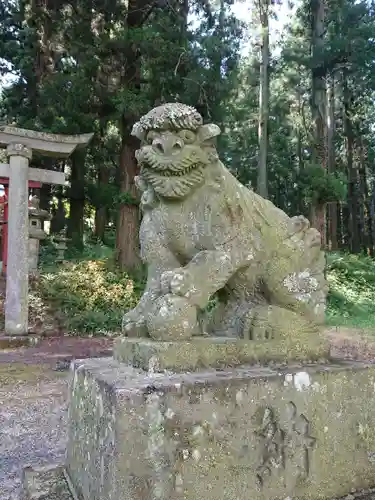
x=168 y=145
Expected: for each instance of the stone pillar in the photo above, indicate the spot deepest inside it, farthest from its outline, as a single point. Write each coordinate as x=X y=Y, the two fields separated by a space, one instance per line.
x=16 y=302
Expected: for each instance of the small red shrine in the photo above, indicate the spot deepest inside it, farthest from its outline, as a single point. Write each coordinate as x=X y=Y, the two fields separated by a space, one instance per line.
x=4 y=218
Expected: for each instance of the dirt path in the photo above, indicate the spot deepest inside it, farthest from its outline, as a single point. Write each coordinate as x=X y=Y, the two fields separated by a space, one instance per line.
x=33 y=397
x=57 y=350
x=33 y=404
x=349 y=343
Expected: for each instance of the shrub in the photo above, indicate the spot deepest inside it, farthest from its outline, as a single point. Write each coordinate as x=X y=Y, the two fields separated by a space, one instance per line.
x=89 y=297
x=351 y=299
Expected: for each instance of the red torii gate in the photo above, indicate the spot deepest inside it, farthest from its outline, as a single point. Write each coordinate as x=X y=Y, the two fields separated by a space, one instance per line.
x=4 y=199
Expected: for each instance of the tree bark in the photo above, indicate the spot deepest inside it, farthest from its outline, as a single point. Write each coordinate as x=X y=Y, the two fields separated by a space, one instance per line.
x=262 y=184
x=77 y=200
x=368 y=244
x=354 y=237
x=332 y=208
x=318 y=107
x=127 y=238
x=58 y=221
x=101 y=213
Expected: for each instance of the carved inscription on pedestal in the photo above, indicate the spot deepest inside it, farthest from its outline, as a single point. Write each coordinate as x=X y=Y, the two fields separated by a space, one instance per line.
x=279 y=447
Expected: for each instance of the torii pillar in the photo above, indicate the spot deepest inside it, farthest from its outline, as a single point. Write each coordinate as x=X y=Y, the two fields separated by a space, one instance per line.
x=20 y=144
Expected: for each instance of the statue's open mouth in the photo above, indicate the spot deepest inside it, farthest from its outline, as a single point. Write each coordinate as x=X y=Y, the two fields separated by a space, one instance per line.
x=166 y=172
x=168 y=166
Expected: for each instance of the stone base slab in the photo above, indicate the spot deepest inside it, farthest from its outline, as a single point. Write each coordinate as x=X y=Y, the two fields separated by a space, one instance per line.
x=49 y=483
x=303 y=432
x=200 y=352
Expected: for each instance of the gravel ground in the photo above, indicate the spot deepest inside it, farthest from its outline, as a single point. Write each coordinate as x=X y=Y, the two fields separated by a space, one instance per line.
x=33 y=404
x=32 y=429
x=33 y=398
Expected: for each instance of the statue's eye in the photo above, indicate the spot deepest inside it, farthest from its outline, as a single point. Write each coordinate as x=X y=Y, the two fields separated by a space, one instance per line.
x=188 y=136
x=151 y=136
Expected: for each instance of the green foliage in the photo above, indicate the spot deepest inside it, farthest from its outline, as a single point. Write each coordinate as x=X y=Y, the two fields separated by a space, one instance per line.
x=320 y=186
x=89 y=296
x=351 y=299
x=126 y=198
x=102 y=195
x=47 y=253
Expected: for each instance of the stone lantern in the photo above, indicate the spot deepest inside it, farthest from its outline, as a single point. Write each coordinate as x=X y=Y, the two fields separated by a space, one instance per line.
x=61 y=245
x=36 y=233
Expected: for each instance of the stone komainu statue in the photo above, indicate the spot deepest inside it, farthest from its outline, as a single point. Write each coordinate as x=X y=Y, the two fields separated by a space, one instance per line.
x=205 y=235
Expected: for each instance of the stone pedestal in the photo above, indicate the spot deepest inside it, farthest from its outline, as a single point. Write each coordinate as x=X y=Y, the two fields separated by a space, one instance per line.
x=299 y=431
x=220 y=352
x=248 y=432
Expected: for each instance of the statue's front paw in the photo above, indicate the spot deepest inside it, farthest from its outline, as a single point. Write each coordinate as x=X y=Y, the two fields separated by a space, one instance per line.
x=177 y=282
x=134 y=325
x=172 y=318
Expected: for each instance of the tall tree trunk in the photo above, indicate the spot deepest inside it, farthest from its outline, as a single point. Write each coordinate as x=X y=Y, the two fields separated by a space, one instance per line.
x=362 y=191
x=127 y=241
x=127 y=238
x=101 y=213
x=262 y=184
x=318 y=105
x=345 y=223
x=371 y=218
x=77 y=199
x=300 y=208
x=332 y=209
x=367 y=218
x=58 y=221
x=354 y=237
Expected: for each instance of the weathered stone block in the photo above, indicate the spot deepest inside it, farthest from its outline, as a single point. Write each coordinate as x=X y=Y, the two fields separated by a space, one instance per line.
x=259 y=433
x=45 y=483
x=217 y=352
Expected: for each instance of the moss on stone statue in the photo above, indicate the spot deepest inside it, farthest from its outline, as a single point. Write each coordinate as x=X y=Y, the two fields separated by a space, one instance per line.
x=203 y=232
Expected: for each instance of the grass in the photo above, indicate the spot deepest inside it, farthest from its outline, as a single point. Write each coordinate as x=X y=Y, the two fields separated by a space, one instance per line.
x=351 y=299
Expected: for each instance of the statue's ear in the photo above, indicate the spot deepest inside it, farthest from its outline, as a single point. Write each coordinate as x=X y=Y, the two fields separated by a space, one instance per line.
x=138 y=132
x=208 y=131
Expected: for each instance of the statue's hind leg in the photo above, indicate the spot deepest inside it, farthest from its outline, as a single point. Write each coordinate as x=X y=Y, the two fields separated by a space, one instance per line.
x=296 y=290
x=299 y=285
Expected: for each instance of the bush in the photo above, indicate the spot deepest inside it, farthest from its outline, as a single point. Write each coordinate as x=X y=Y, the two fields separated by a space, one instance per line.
x=89 y=297
x=351 y=299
